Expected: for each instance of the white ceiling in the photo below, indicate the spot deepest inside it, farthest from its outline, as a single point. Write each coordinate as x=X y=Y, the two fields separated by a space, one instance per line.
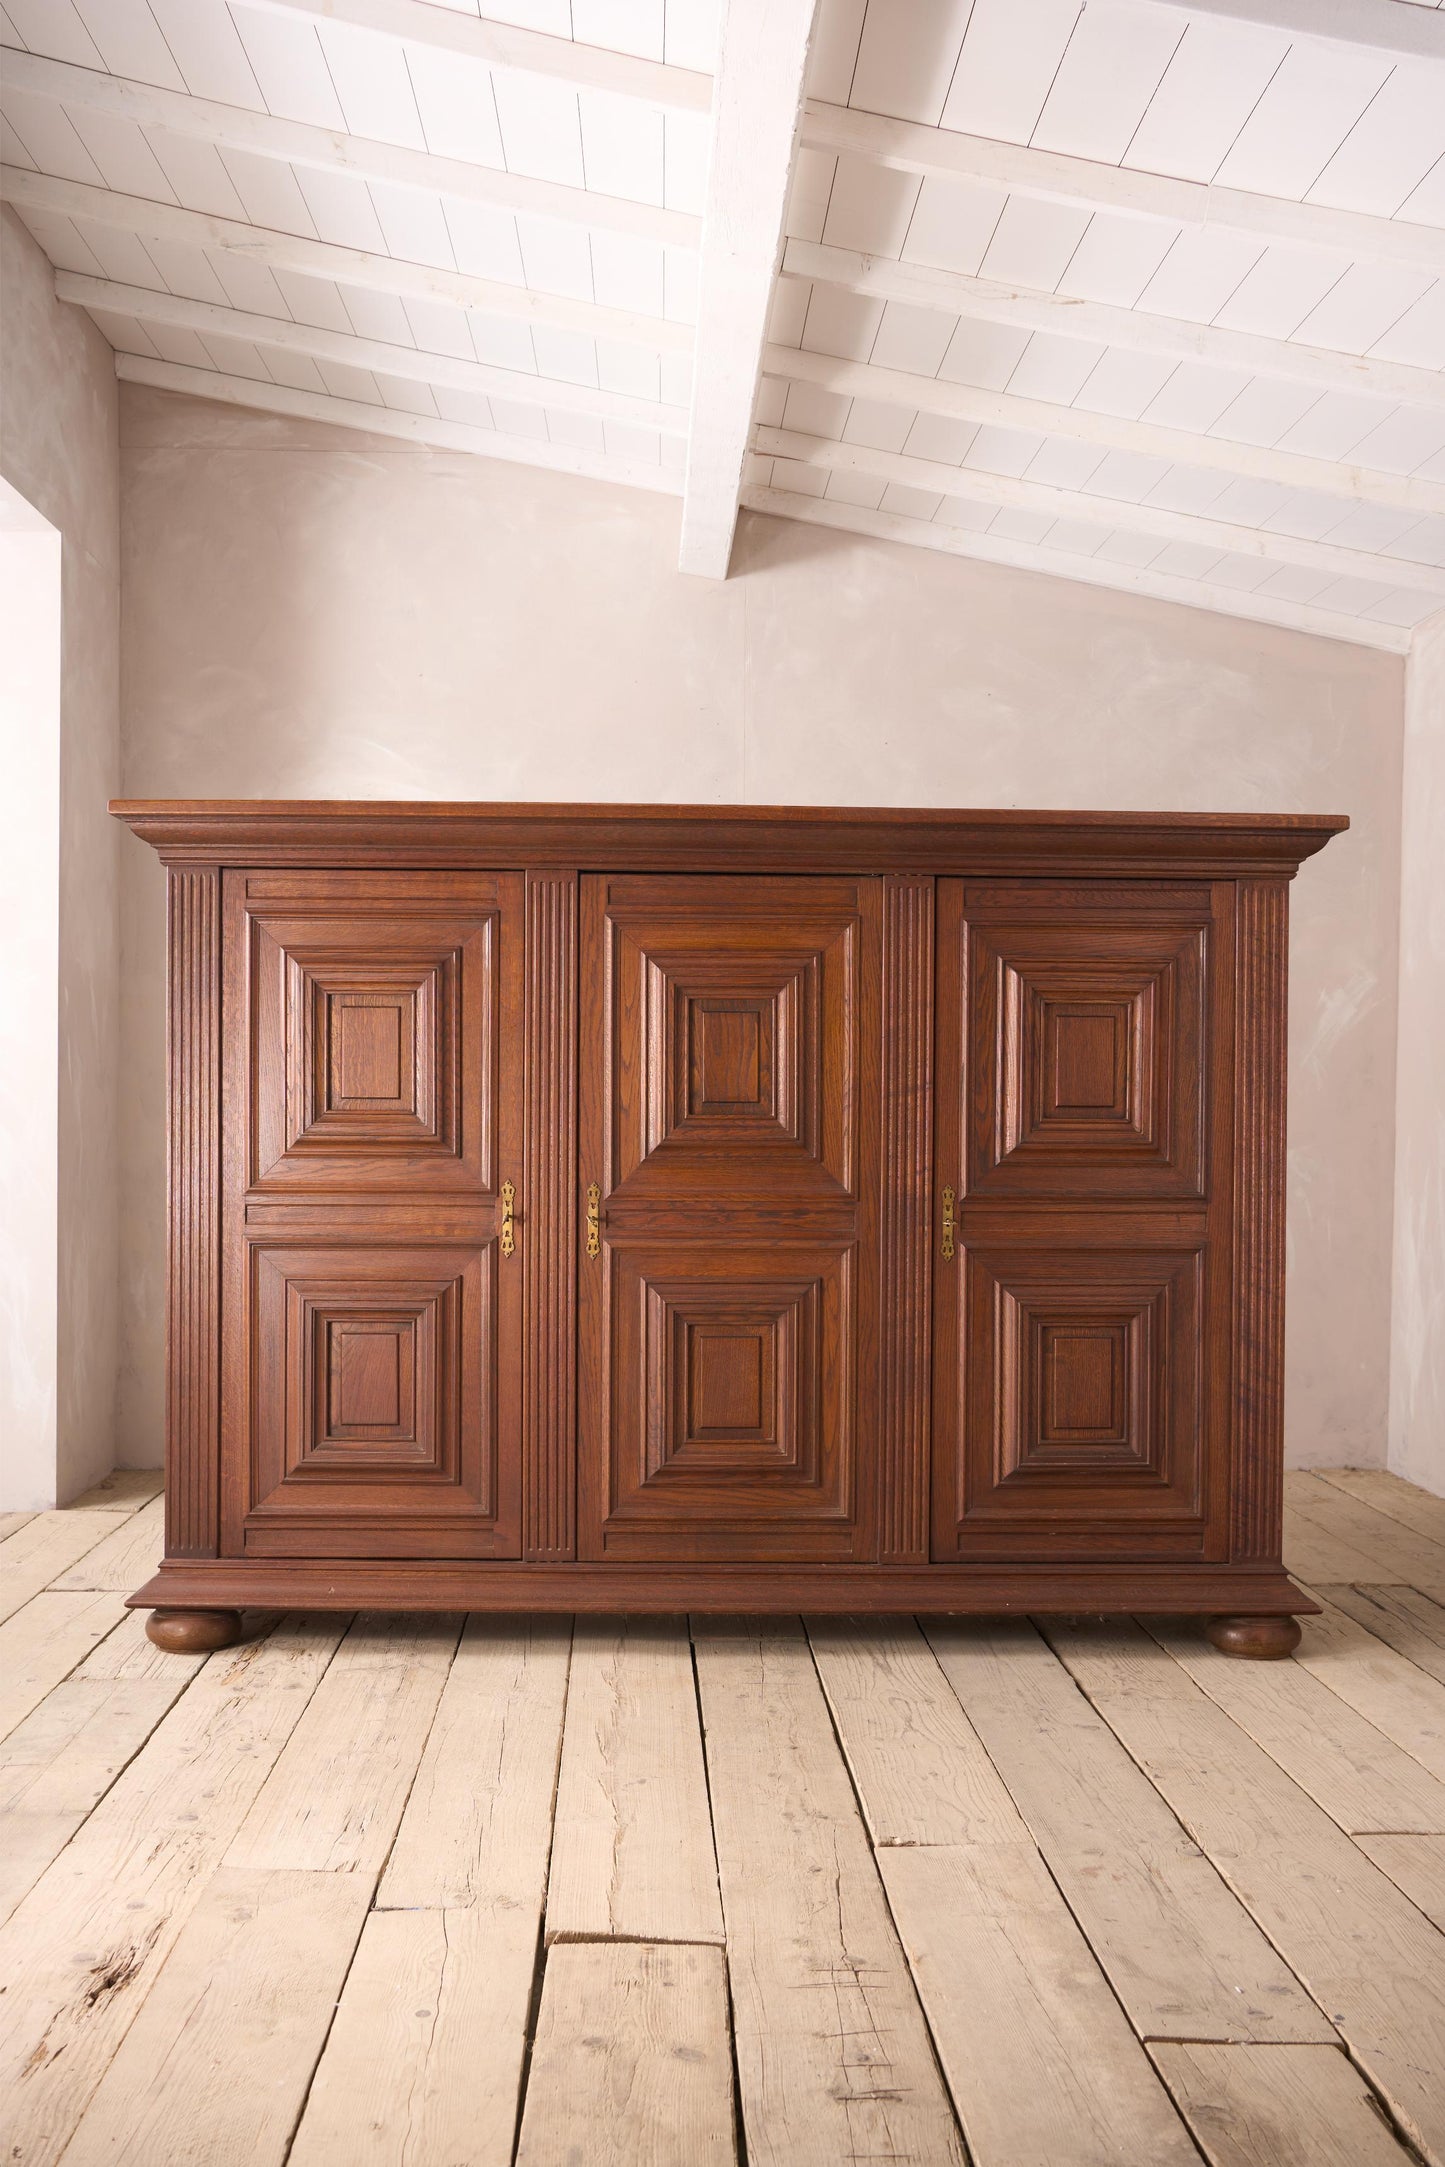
x=1149 y=293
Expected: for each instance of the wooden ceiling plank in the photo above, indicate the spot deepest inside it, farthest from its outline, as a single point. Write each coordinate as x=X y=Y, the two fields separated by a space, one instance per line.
x=507 y=45
x=1030 y=557
x=974 y=485
x=1054 y=177
x=1175 y=338
x=1002 y=410
x=1378 y=26
x=762 y=65
x=414 y=363
x=266 y=398
x=298 y=143
x=166 y=222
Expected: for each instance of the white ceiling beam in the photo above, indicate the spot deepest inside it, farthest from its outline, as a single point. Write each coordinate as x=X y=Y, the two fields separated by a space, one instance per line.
x=954 y=293
x=386 y=421
x=324 y=259
x=1030 y=557
x=762 y=67
x=410 y=362
x=1375 y=26
x=504 y=45
x=1053 y=177
x=297 y=143
x=1111 y=432
x=975 y=486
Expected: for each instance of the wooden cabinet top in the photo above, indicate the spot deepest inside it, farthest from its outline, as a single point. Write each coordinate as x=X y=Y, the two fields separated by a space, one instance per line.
x=724 y=838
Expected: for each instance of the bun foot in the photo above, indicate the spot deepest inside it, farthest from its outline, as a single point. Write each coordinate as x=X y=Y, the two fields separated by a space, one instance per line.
x=1258 y=1640
x=193 y=1632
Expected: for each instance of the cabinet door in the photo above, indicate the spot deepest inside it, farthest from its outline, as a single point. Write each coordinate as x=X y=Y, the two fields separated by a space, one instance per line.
x=729 y=1125
x=1081 y=1356
x=372 y=1313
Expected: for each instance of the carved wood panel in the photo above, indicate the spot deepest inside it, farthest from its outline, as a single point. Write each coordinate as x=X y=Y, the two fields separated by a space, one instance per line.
x=1083 y=1053
x=375 y=1035
x=1083 y=1399
x=373 y=1322
x=728 y=1352
x=1086 y=1042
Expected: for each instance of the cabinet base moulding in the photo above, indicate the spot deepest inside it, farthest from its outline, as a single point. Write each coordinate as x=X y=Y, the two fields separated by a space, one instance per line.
x=736 y=1590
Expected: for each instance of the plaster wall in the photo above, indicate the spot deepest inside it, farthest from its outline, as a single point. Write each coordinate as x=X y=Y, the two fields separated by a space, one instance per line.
x=317 y=613
x=58 y=449
x=1417 y=1394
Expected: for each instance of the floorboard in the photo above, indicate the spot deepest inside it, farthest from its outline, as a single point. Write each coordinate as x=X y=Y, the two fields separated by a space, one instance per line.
x=82 y=1949
x=633 y=1856
x=413 y=1892
x=1182 y=1953
x=1371 y=1960
x=1277 y=2107
x=651 y=2083
x=833 y=2055
x=423 y=2067
x=1041 y=2061
x=1346 y=1763
x=246 y=1994
x=334 y=1798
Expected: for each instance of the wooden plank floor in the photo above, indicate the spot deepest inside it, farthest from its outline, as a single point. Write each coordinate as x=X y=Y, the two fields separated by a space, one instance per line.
x=765 y=1892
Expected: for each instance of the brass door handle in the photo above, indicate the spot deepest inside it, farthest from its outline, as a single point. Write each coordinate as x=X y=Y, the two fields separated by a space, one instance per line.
x=946 y=1244
x=508 y=1240
x=594 y=1220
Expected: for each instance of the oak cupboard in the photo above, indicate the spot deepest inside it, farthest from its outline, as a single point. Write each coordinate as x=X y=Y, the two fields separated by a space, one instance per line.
x=644 y=1208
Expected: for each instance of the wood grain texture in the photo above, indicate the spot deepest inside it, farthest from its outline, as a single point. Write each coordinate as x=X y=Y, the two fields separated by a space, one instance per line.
x=193 y=1172
x=215 y=2068
x=335 y=1796
x=721 y=838
x=1384 y=1687
x=82 y=1950
x=1038 y=2055
x=1366 y=1954
x=549 y=1218
x=652 y=2083
x=1415 y=1864
x=833 y=2056
x=38 y=1553
x=1182 y=1953
x=44 y=1642
x=1261 y=1020
x=921 y=1773
x=743 y=1588
x=1346 y=1764
x=424 y=2061
x=1411 y=1623
x=477 y=1824
x=1391 y=1496
x=905 y=1284
x=1277 y=2107
x=633 y=1856
x=124 y=1489
x=129 y=1554
x=730 y=1023
x=1391 y=1551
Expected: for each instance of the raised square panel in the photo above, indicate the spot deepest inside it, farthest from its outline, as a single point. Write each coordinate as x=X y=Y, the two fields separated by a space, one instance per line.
x=730 y=1067
x=374 y=1395
x=1088 y=1046
x=733 y=1382
x=364 y=1380
x=1083 y=1394
x=374 y=1039
x=735 y=1007
x=372 y=1057
x=732 y=1398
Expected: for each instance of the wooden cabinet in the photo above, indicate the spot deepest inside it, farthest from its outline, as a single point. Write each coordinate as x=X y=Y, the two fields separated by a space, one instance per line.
x=624 y=1208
